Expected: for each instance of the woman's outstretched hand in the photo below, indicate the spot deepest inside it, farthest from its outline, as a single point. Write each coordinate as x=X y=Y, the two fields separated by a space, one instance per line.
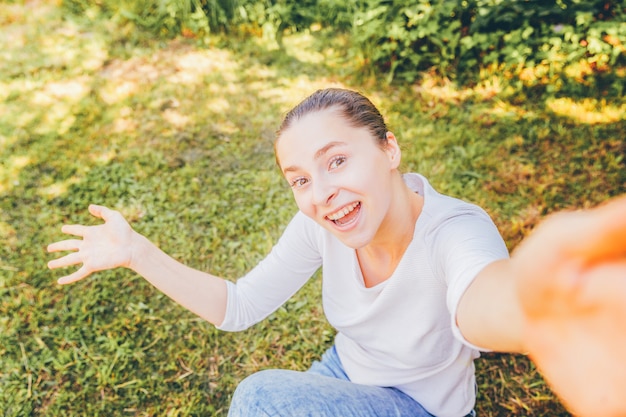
x=105 y=246
x=572 y=288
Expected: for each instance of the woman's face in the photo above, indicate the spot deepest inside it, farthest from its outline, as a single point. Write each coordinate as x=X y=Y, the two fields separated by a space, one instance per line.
x=339 y=174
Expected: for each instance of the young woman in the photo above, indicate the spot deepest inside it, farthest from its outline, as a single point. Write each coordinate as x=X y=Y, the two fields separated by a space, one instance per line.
x=415 y=283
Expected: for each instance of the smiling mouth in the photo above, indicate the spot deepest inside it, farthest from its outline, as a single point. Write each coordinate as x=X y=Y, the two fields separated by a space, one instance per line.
x=346 y=214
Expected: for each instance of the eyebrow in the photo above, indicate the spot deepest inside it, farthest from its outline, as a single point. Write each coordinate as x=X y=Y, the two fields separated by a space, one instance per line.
x=320 y=152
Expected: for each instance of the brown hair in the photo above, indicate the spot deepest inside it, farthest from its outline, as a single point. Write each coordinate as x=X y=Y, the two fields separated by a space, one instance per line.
x=357 y=109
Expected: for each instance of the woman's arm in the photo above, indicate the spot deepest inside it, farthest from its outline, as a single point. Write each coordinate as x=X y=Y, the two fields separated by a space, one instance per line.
x=489 y=313
x=562 y=299
x=115 y=244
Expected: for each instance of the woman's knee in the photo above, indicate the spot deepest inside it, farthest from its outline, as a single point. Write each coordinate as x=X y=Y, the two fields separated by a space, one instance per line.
x=262 y=394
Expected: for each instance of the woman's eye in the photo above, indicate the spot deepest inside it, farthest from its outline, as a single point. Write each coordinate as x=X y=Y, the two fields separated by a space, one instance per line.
x=337 y=162
x=298 y=182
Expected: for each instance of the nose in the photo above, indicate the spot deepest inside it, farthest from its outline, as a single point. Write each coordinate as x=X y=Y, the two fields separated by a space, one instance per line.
x=324 y=191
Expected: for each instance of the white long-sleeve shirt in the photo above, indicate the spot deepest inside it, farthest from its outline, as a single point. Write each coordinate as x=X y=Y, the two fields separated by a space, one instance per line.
x=401 y=332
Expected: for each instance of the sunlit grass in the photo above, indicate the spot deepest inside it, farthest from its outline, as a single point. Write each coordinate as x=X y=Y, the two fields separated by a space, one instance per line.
x=588 y=110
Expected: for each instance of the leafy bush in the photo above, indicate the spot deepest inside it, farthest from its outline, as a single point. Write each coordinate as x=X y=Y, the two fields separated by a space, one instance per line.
x=532 y=43
x=408 y=37
x=277 y=16
x=458 y=38
x=167 y=18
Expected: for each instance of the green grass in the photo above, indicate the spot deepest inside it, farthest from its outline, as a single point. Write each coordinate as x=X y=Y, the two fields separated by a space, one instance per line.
x=178 y=136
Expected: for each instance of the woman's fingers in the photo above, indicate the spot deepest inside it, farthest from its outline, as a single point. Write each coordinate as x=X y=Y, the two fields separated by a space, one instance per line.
x=580 y=348
x=101 y=212
x=600 y=232
x=81 y=273
x=67 y=260
x=70 y=244
x=75 y=229
x=101 y=239
x=605 y=285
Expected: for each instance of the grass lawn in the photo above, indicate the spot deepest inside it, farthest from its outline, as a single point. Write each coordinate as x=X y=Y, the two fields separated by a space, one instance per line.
x=178 y=135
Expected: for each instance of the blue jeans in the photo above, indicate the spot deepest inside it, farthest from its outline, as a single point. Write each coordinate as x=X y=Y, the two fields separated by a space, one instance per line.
x=323 y=391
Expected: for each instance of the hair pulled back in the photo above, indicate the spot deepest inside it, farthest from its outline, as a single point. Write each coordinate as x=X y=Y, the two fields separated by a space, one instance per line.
x=357 y=109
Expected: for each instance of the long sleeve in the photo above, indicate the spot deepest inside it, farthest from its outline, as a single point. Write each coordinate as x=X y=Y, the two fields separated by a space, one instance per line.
x=292 y=261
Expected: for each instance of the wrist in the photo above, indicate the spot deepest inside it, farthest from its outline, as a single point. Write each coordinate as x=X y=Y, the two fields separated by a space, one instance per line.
x=139 y=248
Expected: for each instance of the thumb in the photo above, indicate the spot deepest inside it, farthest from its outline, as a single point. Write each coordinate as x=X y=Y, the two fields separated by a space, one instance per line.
x=600 y=233
x=101 y=212
x=551 y=261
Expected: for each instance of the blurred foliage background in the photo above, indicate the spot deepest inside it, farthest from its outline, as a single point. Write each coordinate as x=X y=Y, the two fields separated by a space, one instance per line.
x=166 y=111
x=535 y=43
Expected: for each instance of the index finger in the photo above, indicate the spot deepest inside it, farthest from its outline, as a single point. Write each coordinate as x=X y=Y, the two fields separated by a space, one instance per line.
x=70 y=244
x=75 y=229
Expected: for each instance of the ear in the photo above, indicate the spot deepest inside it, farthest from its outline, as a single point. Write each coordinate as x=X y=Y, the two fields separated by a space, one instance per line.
x=393 y=150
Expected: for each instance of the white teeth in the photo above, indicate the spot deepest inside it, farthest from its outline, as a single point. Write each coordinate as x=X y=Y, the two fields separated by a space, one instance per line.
x=343 y=212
